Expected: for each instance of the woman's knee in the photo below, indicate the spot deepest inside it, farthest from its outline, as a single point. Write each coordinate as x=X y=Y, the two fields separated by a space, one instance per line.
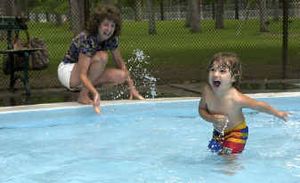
x=119 y=76
x=101 y=56
x=123 y=76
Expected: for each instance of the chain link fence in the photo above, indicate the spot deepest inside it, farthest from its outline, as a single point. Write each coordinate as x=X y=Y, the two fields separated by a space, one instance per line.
x=178 y=48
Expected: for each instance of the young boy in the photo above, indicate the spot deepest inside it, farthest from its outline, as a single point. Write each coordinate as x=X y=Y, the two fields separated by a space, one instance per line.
x=221 y=104
x=84 y=65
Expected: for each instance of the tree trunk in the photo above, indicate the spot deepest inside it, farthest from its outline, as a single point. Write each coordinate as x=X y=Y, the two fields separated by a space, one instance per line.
x=107 y=2
x=138 y=10
x=21 y=7
x=9 y=8
x=77 y=16
x=220 y=14
x=47 y=16
x=87 y=12
x=151 y=17
x=236 y=9
x=276 y=10
x=200 y=5
x=213 y=10
x=285 y=27
x=263 y=27
x=162 y=16
x=188 y=13
x=58 y=19
x=195 y=19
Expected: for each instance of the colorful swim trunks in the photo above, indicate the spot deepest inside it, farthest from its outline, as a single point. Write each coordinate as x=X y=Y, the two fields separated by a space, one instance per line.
x=231 y=142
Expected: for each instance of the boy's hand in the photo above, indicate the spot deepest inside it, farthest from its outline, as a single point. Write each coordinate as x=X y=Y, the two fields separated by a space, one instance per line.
x=220 y=122
x=283 y=115
x=219 y=118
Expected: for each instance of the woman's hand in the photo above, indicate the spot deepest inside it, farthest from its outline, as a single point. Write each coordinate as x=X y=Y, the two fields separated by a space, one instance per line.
x=96 y=103
x=134 y=94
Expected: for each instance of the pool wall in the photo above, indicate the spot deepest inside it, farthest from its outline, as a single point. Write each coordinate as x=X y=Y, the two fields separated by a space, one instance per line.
x=65 y=105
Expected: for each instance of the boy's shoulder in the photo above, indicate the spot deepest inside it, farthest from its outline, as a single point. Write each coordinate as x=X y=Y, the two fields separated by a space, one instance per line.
x=237 y=96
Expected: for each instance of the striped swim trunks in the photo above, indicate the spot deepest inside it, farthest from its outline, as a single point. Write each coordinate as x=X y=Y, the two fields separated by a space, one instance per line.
x=231 y=142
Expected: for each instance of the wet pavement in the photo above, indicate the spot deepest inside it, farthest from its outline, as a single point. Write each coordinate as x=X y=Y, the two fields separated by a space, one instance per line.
x=41 y=96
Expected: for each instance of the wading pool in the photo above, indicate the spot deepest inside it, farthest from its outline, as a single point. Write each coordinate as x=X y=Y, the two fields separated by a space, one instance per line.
x=153 y=141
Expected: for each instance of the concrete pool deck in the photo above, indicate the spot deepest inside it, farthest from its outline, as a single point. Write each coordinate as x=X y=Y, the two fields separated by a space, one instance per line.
x=187 y=89
x=64 y=105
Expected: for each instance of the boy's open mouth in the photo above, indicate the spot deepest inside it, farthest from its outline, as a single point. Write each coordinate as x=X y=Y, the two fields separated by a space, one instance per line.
x=216 y=83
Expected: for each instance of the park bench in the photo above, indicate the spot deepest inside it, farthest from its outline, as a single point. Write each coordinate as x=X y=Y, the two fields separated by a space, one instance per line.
x=16 y=59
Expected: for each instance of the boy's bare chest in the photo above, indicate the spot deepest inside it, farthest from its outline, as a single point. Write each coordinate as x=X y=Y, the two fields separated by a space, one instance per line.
x=223 y=106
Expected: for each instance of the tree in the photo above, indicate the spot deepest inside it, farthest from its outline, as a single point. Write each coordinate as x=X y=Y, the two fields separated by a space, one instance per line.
x=201 y=7
x=9 y=7
x=151 y=17
x=276 y=12
x=213 y=10
x=285 y=28
x=108 y=1
x=263 y=26
x=138 y=10
x=220 y=14
x=135 y=5
x=162 y=16
x=77 y=15
x=54 y=7
x=195 y=19
x=188 y=14
x=236 y=9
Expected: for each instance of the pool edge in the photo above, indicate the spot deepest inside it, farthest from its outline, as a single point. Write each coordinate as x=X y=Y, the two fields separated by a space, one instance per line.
x=118 y=102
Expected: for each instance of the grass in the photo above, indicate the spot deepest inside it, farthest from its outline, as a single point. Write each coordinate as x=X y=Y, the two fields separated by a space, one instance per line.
x=175 y=47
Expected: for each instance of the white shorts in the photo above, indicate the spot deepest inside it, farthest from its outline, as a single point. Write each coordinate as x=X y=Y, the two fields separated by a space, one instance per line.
x=64 y=74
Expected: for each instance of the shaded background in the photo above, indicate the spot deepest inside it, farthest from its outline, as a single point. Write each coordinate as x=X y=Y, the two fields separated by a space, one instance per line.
x=179 y=37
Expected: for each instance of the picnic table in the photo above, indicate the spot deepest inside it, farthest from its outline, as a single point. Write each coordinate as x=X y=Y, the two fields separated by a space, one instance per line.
x=12 y=25
x=24 y=53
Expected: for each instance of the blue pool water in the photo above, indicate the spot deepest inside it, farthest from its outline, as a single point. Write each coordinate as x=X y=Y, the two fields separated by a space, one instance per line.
x=148 y=142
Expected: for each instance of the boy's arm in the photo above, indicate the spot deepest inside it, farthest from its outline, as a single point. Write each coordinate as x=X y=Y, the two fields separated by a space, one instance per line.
x=203 y=110
x=262 y=107
x=212 y=118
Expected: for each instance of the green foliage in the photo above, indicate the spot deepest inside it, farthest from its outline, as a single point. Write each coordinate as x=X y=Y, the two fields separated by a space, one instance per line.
x=50 y=6
x=174 y=45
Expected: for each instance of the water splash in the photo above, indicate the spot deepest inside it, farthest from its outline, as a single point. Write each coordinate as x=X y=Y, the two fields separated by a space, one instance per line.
x=140 y=71
x=152 y=85
x=225 y=126
x=139 y=68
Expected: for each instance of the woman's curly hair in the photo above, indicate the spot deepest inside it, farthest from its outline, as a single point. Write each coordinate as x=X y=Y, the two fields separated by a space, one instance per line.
x=101 y=13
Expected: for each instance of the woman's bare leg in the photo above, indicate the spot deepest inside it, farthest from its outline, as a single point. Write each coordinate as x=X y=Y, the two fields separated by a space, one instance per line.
x=96 y=69
x=112 y=76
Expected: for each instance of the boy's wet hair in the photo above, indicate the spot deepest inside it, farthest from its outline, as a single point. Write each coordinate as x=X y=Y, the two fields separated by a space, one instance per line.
x=102 y=12
x=230 y=61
